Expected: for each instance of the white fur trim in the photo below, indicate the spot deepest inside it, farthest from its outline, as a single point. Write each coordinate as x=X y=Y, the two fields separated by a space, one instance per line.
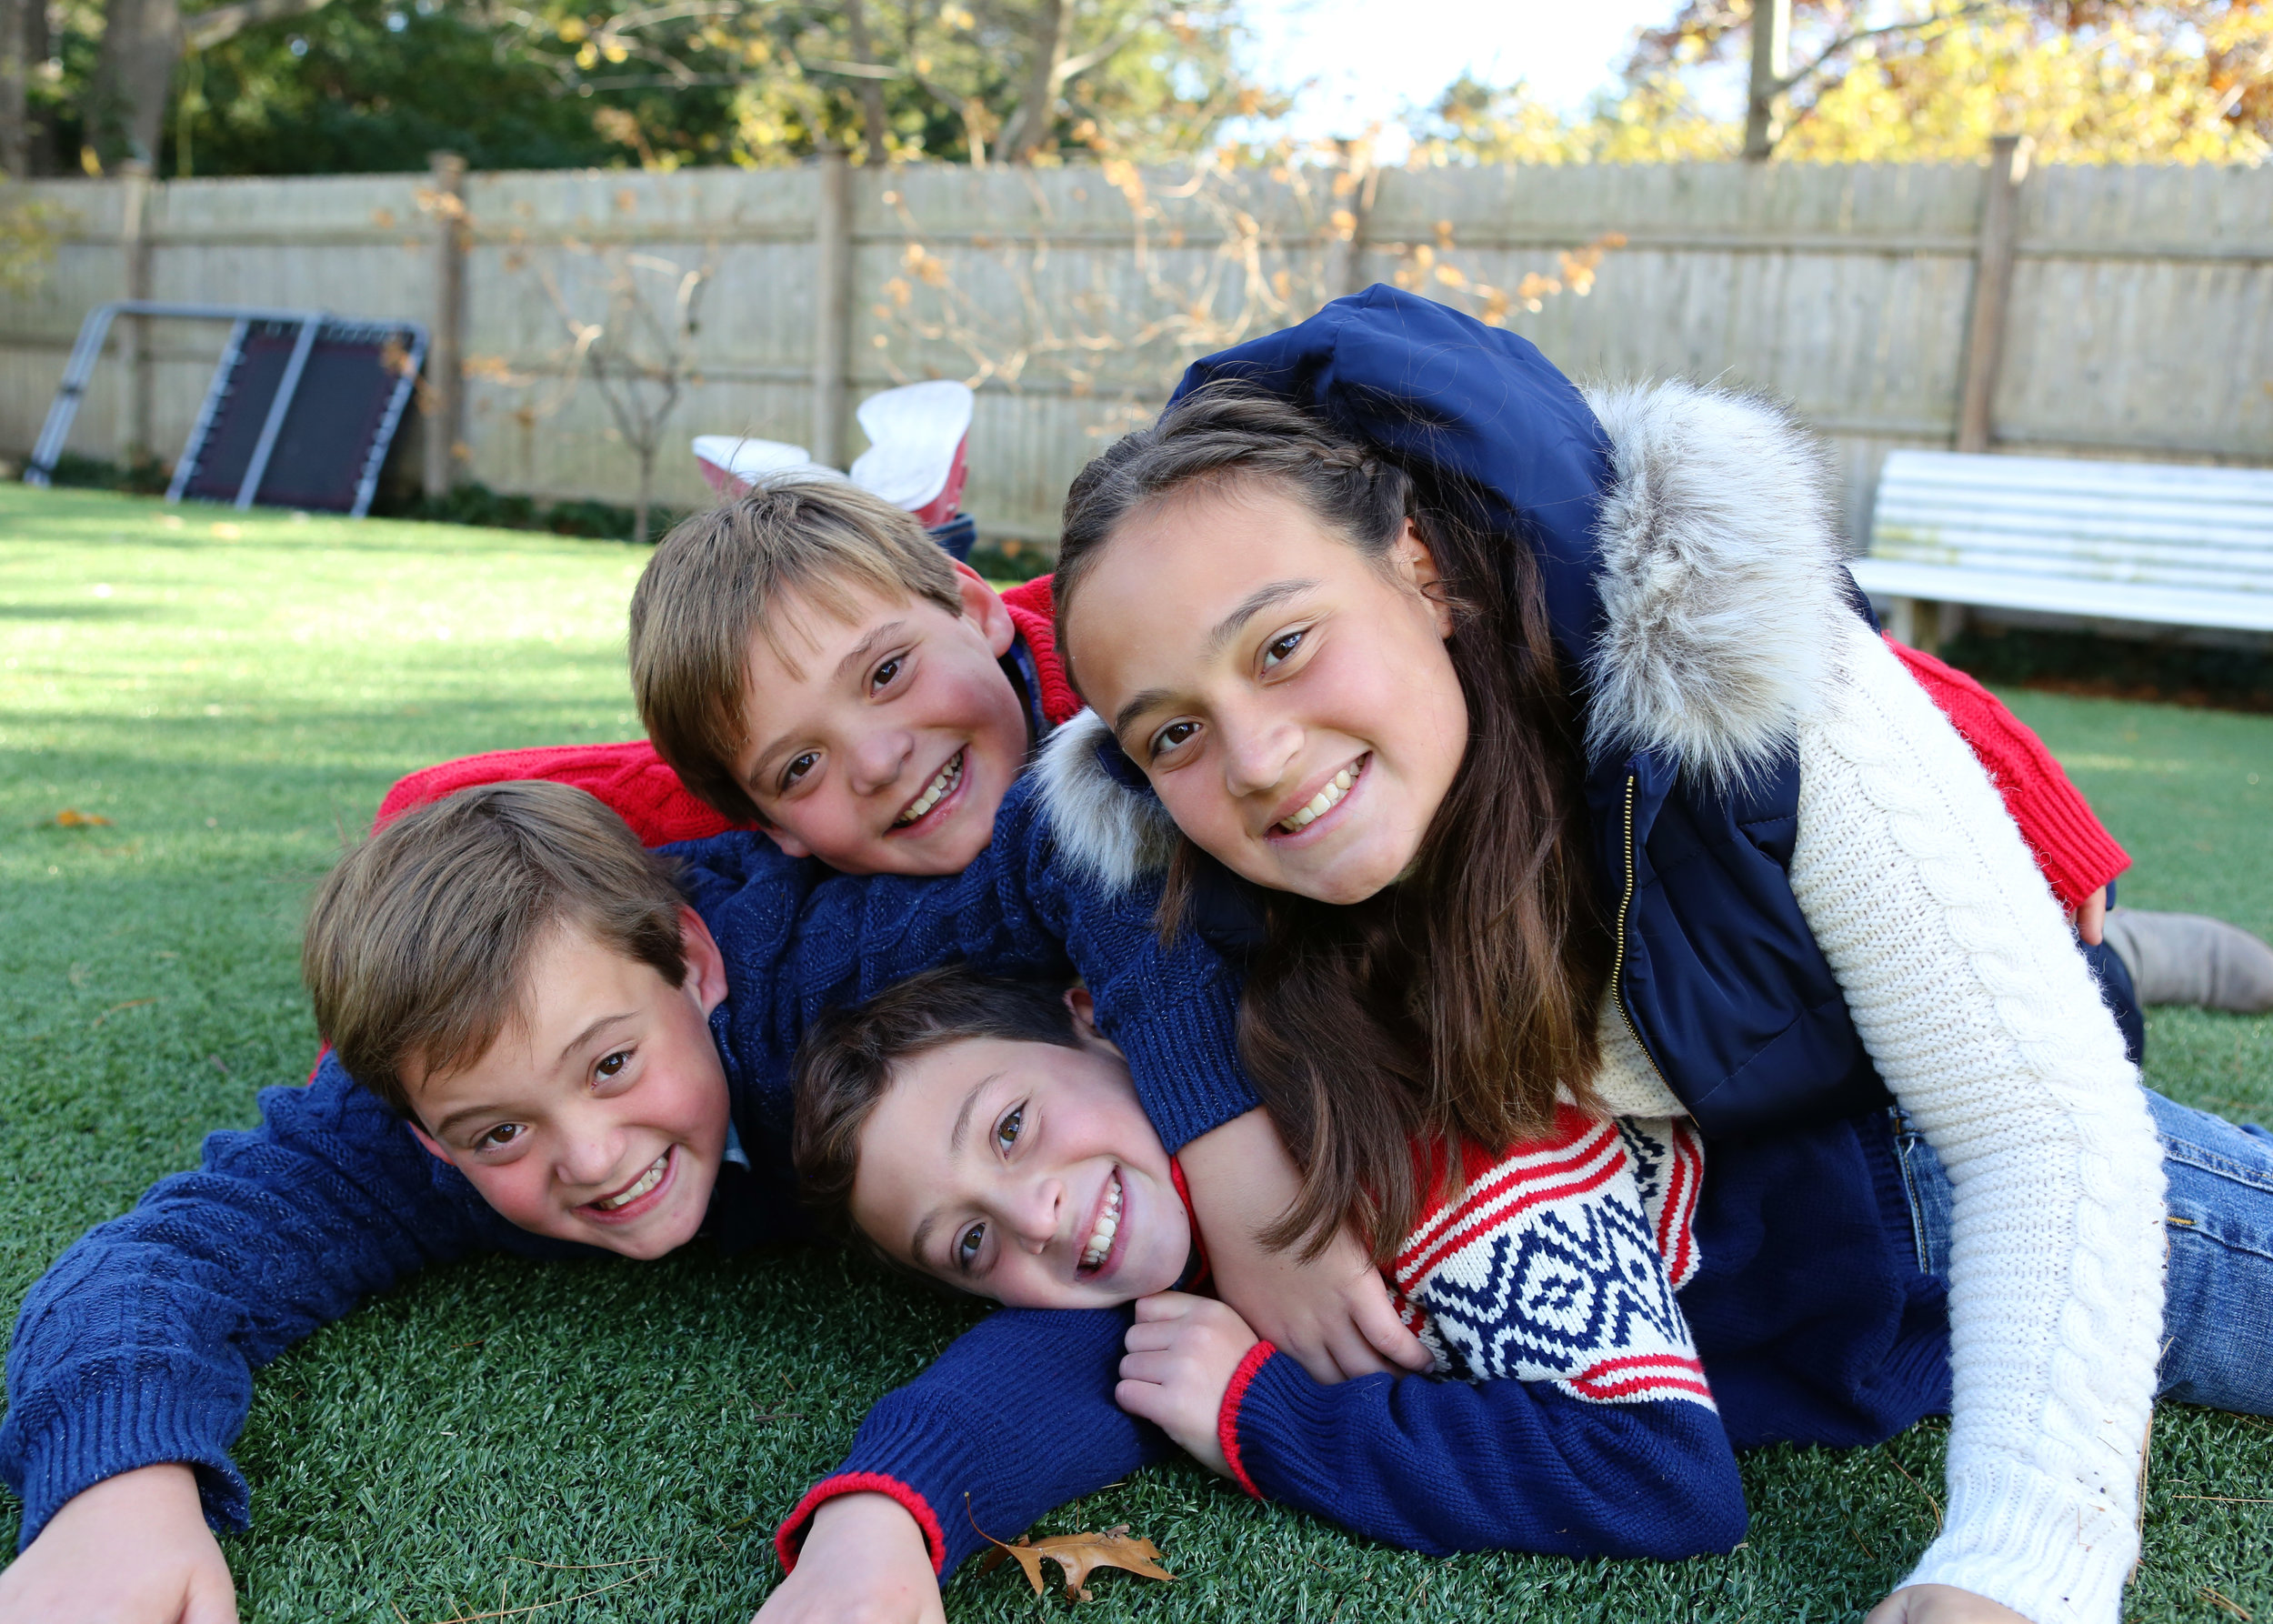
x=1722 y=598
x=1112 y=834
x=1720 y=585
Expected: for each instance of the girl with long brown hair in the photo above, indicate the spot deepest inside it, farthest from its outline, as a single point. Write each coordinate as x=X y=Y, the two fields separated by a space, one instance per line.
x=1539 y=753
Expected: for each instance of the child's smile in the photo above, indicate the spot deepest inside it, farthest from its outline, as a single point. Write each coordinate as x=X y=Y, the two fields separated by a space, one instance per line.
x=883 y=735
x=1022 y=1171
x=1290 y=698
x=600 y=1116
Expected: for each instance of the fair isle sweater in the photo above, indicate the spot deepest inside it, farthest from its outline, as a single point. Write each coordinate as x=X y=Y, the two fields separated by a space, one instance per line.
x=1807 y=1310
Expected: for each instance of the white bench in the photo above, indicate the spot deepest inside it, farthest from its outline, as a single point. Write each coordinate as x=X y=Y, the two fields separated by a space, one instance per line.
x=2187 y=546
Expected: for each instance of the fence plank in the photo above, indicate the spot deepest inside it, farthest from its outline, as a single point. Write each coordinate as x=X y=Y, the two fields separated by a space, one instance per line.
x=2140 y=323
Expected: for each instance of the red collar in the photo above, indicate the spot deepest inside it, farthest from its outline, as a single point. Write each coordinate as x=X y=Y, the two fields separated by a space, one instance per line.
x=1199 y=1247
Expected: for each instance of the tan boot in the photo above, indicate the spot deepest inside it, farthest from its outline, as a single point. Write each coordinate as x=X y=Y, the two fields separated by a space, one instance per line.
x=2190 y=959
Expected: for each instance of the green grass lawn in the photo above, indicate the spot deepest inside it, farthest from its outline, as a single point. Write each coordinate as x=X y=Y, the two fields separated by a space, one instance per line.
x=233 y=693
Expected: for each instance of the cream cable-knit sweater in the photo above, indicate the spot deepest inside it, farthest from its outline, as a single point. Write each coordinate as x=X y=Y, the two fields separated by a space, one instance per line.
x=1966 y=988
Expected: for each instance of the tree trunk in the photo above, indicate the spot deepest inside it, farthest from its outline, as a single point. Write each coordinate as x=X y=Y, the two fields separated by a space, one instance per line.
x=646 y=485
x=141 y=40
x=15 y=67
x=1771 y=67
x=874 y=127
x=1037 y=108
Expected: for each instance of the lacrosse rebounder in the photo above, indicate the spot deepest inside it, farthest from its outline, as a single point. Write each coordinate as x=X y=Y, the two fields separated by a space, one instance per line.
x=301 y=409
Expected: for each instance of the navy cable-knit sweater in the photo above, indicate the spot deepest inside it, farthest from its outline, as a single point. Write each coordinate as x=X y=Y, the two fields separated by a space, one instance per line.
x=138 y=1346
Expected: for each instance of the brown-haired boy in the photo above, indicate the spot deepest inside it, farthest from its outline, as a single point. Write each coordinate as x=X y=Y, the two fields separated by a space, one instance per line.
x=806 y=656
x=547 y=1040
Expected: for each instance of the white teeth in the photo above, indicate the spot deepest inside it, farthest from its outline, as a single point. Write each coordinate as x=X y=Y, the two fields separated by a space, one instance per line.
x=925 y=802
x=648 y=1182
x=1108 y=1225
x=1323 y=802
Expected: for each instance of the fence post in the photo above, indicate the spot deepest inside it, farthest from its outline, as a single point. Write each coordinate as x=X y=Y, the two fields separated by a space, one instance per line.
x=1992 y=286
x=832 y=292
x=135 y=431
x=1357 y=163
x=443 y=396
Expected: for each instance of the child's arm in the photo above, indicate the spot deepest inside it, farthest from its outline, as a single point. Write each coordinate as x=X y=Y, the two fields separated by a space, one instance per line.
x=137 y=1347
x=1437 y=1466
x=1173 y=1010
x=1014 y=1419
x=133 y=1549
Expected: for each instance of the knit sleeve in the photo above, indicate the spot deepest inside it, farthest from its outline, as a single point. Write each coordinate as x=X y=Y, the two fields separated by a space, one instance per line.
x=1018 y=909
x=2071 y=846
x=1448 y=1466
x=967 y=1446
x=137 y=1347
x=1969 y=991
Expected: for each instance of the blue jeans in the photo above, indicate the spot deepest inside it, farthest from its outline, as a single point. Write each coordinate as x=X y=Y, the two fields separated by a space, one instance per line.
x=2217 y=1305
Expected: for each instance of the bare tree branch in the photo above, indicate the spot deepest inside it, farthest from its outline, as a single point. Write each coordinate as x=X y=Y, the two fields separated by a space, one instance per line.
x=203 y=30
x=1800 y=75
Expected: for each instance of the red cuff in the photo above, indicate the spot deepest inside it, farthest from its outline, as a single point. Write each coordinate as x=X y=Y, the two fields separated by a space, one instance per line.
x=1227 y=1418
x=789 y=1539
x=2077 y=853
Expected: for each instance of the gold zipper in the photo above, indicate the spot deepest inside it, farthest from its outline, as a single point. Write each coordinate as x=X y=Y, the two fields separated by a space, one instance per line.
x=1617 y=963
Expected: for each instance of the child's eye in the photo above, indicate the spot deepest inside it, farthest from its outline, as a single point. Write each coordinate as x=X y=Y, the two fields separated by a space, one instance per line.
x=1282 y=647
x=1173 y=735
x=798 y=767
x=612 y=1065
x=966 y=1246
x=1007 y=1131
x=500 y=1137
x=886 y=674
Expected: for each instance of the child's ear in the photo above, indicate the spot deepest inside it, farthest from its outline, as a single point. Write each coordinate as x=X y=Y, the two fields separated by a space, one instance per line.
x=1416 y=566
x=983 y=607
x=791 y=846
x=421 y=1135
x=1085 y=1014
x=705 y=966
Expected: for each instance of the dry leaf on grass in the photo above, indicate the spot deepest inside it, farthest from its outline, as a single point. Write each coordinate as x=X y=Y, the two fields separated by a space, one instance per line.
x=71 y=817
x=1079 y=1555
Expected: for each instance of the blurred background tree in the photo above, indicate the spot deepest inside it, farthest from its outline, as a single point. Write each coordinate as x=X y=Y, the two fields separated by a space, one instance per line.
x=303 y=86
x=2094 y=81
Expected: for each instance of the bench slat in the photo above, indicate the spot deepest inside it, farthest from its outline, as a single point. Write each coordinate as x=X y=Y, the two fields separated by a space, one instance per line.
x=2132 y=541
x=2052 y=595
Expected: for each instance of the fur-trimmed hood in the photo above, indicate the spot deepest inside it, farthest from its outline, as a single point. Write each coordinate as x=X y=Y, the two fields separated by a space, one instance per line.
x=1722 y=590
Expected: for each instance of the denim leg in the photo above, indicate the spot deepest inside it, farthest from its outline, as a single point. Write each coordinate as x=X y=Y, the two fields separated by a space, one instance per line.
x=2217 y=1306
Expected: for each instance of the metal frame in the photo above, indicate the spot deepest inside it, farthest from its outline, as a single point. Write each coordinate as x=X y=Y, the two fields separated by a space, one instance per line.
x=88 y=350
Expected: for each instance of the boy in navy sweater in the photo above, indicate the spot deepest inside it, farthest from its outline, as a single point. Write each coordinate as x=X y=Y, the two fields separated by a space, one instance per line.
x=558 y=1044
x=983 y=1133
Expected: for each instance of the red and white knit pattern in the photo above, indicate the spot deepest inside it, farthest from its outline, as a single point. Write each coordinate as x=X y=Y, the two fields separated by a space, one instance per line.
x=1558 y=1262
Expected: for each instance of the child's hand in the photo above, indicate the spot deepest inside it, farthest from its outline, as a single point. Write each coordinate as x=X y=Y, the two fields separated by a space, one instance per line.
x=133 y=1549
x=1182 y=1352
x=1940 y=1604
x=864 y=1563
x=2090 y=920
x=1332 y=1313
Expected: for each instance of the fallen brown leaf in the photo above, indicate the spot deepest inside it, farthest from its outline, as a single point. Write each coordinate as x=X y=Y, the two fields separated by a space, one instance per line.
x=71 y=817
x=1076 y=1555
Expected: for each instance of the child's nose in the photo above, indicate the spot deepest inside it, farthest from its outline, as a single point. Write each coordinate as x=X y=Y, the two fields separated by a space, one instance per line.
x=1036 y=1223
x=878 y=760
x=1257 y=756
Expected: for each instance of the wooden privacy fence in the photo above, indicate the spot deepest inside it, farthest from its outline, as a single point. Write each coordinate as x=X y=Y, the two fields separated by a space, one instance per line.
x=2099 y=311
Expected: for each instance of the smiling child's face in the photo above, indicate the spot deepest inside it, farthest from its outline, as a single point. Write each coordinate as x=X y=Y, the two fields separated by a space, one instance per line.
x=1291 y=700
x=1024 y=1172
x=600 y=1116
x=882 y=741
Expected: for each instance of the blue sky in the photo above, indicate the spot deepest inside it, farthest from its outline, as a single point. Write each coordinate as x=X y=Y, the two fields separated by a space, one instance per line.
x=1369 y=60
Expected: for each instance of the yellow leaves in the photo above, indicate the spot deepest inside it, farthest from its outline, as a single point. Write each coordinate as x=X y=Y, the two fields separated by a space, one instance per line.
x=588 y=56
x=71 y=817
x=929 y=268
